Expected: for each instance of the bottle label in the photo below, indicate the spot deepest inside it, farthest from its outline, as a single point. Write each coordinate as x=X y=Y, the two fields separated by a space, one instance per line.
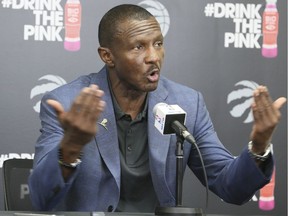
x=270 y=27
x=72 y=20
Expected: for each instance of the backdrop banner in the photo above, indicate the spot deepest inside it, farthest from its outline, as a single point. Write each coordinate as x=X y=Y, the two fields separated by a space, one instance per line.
x=224 y=49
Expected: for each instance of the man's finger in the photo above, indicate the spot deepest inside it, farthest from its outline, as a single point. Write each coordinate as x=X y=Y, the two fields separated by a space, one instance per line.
x=279 y=102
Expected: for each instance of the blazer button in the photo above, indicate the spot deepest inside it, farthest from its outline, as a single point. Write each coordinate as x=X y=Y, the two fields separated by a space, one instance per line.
x=110 y=208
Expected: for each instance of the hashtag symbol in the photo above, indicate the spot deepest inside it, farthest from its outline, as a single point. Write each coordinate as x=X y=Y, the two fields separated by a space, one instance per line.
x=209 y=10
x=6 y=3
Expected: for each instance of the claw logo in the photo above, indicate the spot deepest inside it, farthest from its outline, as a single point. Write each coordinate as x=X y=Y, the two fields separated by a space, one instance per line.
x=241 y=100
x=39 y=90
x=159 y=12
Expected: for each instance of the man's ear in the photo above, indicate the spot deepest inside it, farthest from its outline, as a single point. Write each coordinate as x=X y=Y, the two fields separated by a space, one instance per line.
x=106 y=56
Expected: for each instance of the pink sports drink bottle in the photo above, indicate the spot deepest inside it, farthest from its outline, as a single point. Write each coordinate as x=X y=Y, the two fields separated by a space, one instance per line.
x=72 y=25
x=270 y=29
x=266 y=199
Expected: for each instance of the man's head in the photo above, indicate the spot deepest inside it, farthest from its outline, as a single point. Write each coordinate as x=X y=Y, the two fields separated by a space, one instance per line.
x=131 y=45
x=109 y=24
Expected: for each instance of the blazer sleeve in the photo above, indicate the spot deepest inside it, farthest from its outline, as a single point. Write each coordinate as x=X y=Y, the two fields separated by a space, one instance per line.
x=234 y=179
x=46 y=184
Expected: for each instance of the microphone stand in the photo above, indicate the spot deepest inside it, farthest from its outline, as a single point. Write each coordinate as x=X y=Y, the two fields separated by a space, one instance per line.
x=179 y=209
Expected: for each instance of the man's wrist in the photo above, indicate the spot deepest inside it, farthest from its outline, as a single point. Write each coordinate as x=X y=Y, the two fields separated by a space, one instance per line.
x=65 y=164
x=257 y=156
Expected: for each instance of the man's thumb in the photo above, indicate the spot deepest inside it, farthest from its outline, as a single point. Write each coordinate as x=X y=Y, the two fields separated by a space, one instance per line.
x=279 y=102
x=56 y=105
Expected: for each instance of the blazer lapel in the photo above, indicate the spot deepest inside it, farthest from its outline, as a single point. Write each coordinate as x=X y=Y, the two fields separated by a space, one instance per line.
x=106 y=136
x=158 y=143
x=158 y=148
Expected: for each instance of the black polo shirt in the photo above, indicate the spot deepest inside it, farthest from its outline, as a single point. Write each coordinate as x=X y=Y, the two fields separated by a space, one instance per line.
x=137 y=192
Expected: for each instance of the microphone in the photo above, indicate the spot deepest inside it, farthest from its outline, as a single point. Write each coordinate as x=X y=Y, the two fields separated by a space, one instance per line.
x=171 y=119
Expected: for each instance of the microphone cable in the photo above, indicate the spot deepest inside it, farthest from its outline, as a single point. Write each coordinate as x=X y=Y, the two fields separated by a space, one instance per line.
x=192 y=141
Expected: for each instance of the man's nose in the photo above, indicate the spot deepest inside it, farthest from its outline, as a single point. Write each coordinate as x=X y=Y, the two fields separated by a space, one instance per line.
x=153 y=55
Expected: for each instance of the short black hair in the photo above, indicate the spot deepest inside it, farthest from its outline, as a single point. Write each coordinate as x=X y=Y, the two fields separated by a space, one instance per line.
x=107 y=29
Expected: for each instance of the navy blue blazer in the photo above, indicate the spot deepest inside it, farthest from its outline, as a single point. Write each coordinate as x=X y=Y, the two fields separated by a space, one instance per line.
x=95 y=184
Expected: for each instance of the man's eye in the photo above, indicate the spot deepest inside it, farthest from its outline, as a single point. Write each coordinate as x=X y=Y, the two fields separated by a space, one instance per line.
x=138 y=47
x=159 y=44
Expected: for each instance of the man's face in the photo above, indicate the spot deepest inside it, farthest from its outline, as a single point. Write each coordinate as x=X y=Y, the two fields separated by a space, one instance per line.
x=138 y=54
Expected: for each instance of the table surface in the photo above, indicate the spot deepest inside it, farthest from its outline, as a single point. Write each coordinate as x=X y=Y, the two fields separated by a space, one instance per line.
x=23 y=213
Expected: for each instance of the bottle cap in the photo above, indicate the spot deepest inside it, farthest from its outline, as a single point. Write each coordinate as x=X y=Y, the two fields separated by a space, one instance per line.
x=72 y=45
x=270 y=52
x=267 y=205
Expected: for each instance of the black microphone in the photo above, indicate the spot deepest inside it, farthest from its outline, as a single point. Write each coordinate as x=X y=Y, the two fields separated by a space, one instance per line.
x=171 y=119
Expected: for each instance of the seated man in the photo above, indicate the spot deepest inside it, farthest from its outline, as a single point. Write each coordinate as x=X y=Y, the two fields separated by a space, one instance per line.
x=99 y=149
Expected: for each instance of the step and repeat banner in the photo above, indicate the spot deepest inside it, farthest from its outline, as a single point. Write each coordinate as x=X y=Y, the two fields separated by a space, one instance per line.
x=224 y=49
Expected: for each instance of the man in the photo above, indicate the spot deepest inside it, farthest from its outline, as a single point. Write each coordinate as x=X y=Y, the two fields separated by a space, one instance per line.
x=99 y=150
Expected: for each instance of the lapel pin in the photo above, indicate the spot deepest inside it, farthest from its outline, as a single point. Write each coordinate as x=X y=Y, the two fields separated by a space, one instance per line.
x=103 y=123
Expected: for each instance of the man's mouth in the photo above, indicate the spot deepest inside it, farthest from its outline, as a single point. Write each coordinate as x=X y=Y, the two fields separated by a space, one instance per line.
x=154 y=75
